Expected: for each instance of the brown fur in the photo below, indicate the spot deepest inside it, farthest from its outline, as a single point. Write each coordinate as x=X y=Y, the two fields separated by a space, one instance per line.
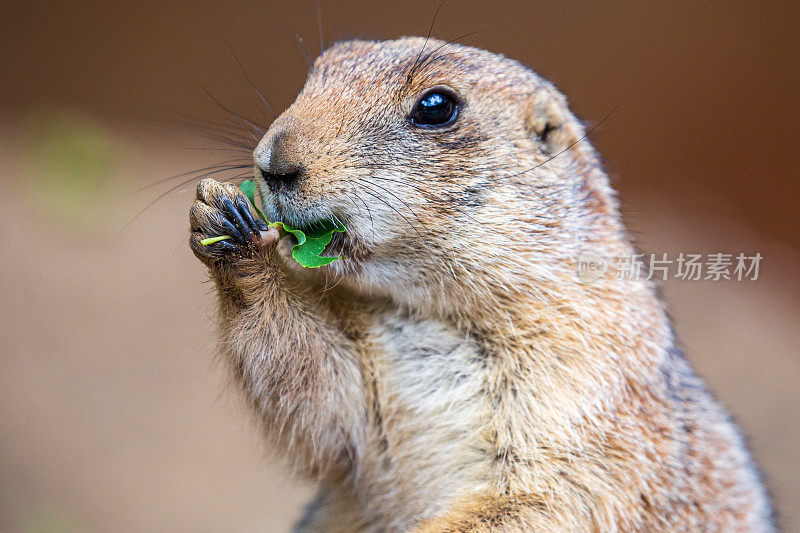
x=451 y=373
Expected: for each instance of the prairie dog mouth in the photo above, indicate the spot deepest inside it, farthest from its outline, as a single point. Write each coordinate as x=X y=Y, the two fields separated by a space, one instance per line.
x=279 y=207
x=348 y=245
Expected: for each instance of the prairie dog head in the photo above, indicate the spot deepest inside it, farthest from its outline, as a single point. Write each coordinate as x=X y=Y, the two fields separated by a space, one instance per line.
x=448 y=164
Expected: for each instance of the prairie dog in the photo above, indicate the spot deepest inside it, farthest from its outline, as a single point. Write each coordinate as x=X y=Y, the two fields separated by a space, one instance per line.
x=451 y=372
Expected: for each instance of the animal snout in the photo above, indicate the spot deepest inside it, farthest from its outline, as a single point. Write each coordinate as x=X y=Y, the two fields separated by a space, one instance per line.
x=277 y=160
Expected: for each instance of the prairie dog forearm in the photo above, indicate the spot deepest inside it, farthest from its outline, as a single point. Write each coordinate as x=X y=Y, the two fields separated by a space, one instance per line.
x=298 y=372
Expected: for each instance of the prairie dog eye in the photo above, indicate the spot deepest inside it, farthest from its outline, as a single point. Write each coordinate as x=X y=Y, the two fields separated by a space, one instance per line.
x=436 y=107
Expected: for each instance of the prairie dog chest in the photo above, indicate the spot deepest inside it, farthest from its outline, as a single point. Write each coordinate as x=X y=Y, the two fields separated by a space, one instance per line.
x=425 y=367
x=426 y=422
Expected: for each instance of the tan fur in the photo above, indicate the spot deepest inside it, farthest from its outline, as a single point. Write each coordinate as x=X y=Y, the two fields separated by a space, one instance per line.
x=451 y=373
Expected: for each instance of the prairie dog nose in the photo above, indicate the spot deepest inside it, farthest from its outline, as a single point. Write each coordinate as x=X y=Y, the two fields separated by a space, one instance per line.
x=277 y=160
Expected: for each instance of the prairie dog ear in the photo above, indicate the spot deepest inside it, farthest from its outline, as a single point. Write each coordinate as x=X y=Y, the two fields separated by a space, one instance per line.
x=549 y=120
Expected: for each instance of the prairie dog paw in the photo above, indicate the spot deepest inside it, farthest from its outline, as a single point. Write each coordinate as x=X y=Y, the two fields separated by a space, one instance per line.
x=221 y=210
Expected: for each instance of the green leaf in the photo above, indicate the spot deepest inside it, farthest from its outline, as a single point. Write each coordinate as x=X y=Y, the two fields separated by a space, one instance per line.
x=311 y=242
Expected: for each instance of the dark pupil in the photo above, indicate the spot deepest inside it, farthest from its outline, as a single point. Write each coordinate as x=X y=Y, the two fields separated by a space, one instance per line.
x=435 y=108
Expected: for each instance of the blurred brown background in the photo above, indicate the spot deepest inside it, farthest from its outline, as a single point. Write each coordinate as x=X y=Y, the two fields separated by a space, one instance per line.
x=112 y=412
